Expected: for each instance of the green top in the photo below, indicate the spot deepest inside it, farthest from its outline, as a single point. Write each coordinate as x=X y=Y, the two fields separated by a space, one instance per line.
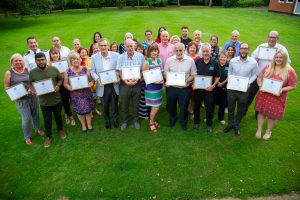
x=36 y=74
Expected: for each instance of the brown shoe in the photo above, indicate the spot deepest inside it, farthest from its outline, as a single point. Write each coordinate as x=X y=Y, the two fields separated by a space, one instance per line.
x=62 y=134
x=47 y=142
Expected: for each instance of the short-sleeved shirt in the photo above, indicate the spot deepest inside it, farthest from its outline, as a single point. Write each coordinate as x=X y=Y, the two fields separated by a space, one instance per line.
x=224 y=72
x=185 y=41
x=124 y=60
x=36 y=74
x=165 y=52
x=207 y=69
x=29 y=58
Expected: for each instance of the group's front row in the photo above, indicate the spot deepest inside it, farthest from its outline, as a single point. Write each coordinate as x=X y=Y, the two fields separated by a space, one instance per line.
x=116 y=75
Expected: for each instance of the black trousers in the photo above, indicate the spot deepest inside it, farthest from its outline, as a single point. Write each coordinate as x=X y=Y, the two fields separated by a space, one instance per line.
x=110 y=98
x=65 y=98
x=182 y=96
x=47 y=114
x=239 y=99
x=127 y=93
x=252 y=93
x=220 y=98
x=208 y=98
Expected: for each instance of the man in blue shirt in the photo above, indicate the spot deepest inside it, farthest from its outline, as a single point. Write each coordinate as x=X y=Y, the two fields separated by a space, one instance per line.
x=234 y=42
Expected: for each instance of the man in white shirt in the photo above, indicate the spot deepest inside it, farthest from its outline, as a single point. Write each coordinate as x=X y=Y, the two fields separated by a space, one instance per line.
x=64 y=51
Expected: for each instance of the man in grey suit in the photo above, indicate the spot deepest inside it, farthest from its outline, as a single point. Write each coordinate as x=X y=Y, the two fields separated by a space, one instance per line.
x=103 y=61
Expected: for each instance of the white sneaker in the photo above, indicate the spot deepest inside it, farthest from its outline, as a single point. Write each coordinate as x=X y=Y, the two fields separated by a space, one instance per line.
x=223 y=122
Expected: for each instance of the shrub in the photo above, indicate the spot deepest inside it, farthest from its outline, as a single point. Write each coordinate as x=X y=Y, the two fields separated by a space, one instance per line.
x=229 y=3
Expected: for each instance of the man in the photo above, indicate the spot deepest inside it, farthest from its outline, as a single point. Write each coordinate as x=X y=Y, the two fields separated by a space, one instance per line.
x=206 y=66
x=51 y=102
x=33 y=49
x=148 y=41
x=64 y=51
x=197 y=38
x=272 y=43
x=103 y=61
x=166 y=49
x=184 y=36
x=179 y=63
x=130 y=89
x=234 y=42
x=243 y=66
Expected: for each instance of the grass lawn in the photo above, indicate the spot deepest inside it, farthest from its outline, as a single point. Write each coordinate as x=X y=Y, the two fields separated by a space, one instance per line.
x=137 y=164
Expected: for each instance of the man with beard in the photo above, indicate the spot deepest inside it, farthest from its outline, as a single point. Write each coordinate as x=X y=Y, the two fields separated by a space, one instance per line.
x=179 y=63
x=184 y=36
x=243 y=66
x=50 y=102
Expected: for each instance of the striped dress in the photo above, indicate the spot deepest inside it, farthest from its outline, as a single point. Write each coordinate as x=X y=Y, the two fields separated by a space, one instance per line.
x=153 y=92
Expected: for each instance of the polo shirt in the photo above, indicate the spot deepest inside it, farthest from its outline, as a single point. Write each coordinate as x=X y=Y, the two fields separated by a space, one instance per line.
x=207 y=69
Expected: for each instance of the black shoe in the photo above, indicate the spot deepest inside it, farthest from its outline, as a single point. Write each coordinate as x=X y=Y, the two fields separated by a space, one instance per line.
x=227 y=129
x=107 y=125
x=116 y=124
x=237 y=132
x=172 y=123
x=196 y=127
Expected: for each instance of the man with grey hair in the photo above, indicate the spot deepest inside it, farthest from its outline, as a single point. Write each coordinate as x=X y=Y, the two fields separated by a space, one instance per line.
x=262 y=62
x=197 y=38
x=122 y=49
x=234 y=42
x=166 y=49
x=181 y=94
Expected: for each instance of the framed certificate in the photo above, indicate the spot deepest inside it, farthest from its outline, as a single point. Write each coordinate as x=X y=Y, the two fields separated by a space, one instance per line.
x=202 y=82
x=16 y=92
x=266 y=53
x=176 y=79
x=43 y=87
x=107 y=77
x=238 y=83
x=131 y=72
x=62 y=66
x=271 y=86
x=152 y=75
x=79 y=82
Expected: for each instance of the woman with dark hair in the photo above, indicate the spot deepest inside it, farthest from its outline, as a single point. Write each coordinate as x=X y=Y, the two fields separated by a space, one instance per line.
x=162 y=28
x=96 y=39
x=215 y=48
x=231 y=52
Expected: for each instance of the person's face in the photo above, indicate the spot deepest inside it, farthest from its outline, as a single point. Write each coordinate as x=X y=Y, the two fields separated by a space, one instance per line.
x=184 y=32
x=96 y=49
x=154 y=53
x=56 y=41
x=213 y=41
x=279 y=59
x=175 y=40
x=114 y=48
x=130 y=47
x=41 y=63
x=97 y=37
x=148 y=35
x=76 y=45
x=164 y=37
x=234 y=37
x=83 y=54
x=244 y=50
x=103 y=47
x=17 y=62
x=32 y=44
x=206 y=53
x=179 y=52
x=140 y=50
x=192 y=50
x=230 y=51
x=197 y=37
x=54 y=56
x=272 y=39
x=222 y=59
x=75 y=62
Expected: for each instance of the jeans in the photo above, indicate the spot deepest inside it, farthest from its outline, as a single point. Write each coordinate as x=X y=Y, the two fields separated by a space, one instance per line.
x=47 y=114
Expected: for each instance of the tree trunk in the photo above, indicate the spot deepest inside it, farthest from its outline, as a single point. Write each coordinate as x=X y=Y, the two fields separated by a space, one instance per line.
x=178 y=2
x=62 y=5
x=210 y=3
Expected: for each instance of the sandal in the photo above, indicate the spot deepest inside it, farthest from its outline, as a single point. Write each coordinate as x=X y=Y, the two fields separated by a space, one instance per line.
x=156 y=124
x=73 y=123
x=68 y=121
x=153 y=128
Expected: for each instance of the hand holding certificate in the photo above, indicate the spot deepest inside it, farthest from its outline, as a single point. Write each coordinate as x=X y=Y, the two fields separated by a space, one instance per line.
x=107 y=77
x=62 y=66
x=238 y=83
x=79 y=82
x=152 y=75
x=202 y=82
x=266 y=53
x=16 y=92
x=43 y=87
x=176 y=79
x=131 y=72
x=271 y=86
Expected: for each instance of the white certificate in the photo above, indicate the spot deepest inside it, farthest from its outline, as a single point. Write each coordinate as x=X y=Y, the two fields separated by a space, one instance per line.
x=266 y=53
x=238 y=83
x=202 y=82
x=62 y=66
x=109 y=76
x=271 y=86
x=153 y=75
x=79 y=82
x=43 y=87
x=16 y=92
x=131 y=72
x=176 y=79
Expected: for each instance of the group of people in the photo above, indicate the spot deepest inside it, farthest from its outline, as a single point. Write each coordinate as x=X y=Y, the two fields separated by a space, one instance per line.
x=168 y=54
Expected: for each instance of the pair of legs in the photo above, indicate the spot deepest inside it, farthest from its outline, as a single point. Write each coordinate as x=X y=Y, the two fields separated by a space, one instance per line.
x=110 y=97
x=65 y=98
x=208 y=98
x=86 y=121
x=260 y=123
x=152 y=123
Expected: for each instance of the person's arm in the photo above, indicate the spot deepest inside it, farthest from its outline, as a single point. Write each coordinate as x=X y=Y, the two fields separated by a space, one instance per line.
x=6 y=81
x=67 y=83
x=291 y=82
x=254 y=73
x=90 y=79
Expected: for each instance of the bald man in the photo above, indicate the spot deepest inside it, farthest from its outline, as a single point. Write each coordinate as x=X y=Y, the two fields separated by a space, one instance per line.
x=64 y=51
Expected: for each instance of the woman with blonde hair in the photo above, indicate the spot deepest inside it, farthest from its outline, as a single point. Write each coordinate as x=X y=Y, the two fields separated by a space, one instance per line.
x=269 y=105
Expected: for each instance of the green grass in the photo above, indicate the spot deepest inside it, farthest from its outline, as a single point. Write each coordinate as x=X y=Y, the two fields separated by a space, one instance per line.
x=136 y=164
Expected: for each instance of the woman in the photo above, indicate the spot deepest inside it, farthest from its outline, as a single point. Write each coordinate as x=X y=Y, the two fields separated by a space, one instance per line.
x=82 y=99
x=230 y=52
x=215 y=48
x=161 y=29
x=153 y=92
x=175 y=39
x=76 y=45
x=96 y=39
x=114 y=47
x=64 y=93
x=27 y=105
x=267 y=104
x=140 y=48
x=122 y=46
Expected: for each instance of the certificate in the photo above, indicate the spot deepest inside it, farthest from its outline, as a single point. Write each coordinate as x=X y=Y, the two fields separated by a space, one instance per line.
x=79 y=82
x=109 y=76
x=271 y=86
x=16 y=92
x=153 y=75
x=43 y=87
x=202 y=82
x=62 y=66
x=176 y=79
x=131 y=72
x=238 y=83
x=266 y=53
